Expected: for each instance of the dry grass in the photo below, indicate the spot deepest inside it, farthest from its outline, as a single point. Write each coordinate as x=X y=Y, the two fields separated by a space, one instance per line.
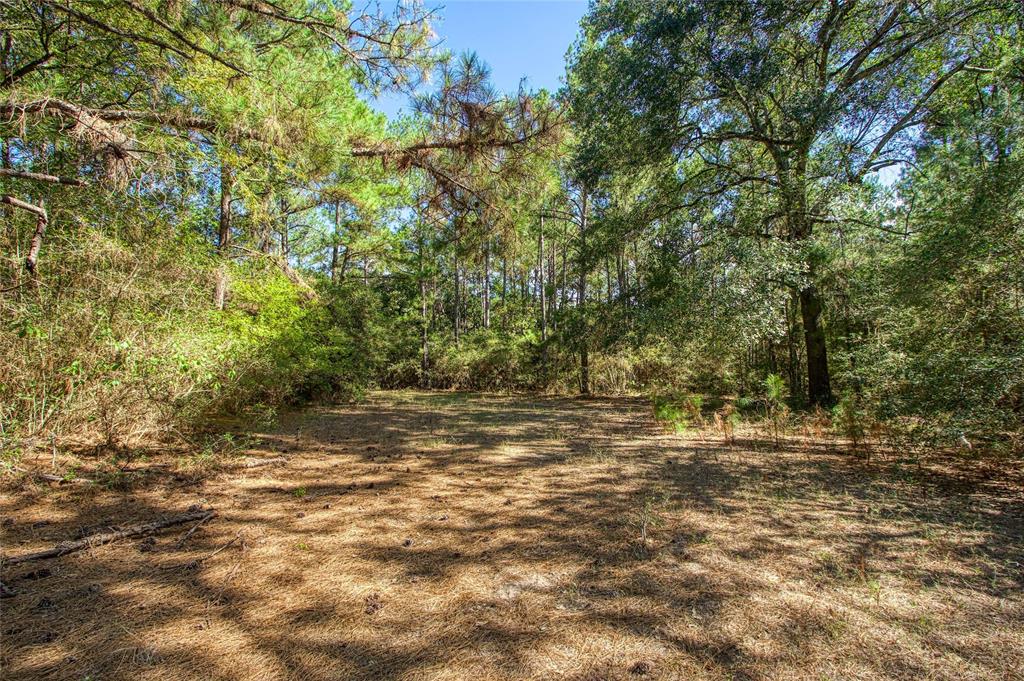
x=441 y=536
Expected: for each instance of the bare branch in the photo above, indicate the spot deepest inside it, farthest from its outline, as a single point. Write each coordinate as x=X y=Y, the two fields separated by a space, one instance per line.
x=42 y=220
x=41 y=177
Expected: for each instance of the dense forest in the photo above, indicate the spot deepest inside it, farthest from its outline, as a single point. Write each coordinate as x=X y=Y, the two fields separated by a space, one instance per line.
x=204 y=214
x=706 y=364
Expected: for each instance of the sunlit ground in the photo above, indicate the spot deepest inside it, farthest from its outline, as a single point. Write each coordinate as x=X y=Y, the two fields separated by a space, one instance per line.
x=448 y=536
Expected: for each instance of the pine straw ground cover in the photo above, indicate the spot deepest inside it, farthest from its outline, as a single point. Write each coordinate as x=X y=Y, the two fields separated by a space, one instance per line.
x=441 y=536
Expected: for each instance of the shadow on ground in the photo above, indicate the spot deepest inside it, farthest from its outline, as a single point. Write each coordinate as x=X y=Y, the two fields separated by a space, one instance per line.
x=462 y=536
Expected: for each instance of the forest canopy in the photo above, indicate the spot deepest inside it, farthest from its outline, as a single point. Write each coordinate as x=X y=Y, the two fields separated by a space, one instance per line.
x=813 y=203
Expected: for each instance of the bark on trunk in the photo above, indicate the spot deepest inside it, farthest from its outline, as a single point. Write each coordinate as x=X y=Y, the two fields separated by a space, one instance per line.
x=487 y=286
x=42 y=219
x=335 y=245
x=791 y=310
x=220 y=289
x=504 y=280
x=608 y=277
x=5 y=162
x=425 y=324
x=553 y=298
x=32 y=259
x=584 y=350
x=284 y=243
x=819 y=388
x=543 y=293
x=457 y=316
x=620 y=273
x=565 y=280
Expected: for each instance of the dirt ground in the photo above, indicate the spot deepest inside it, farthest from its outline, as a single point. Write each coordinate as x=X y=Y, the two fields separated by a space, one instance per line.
x=449 y=536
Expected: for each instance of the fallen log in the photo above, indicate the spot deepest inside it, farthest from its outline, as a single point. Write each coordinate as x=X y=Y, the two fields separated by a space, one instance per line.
x=67 y=547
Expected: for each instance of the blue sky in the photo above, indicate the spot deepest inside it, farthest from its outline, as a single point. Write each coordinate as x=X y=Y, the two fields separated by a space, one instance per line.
x=516 y=38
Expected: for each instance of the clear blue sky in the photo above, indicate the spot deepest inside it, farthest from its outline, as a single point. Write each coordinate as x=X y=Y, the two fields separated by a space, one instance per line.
x=516 y=38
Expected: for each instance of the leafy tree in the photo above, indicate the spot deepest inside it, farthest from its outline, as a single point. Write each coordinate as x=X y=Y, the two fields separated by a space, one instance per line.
x=799 y=100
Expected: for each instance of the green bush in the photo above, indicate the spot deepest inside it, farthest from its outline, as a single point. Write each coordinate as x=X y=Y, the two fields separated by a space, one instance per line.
x=679 y=412
x=123 y=343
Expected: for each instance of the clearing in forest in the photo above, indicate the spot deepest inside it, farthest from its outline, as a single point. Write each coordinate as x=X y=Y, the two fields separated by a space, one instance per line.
x=450 y=536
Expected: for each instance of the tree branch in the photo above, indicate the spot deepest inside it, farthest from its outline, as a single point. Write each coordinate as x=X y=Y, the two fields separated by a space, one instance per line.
x=42 y=220
x=41 y=177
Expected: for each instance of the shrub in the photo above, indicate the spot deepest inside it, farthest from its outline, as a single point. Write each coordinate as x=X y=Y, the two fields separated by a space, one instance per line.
x=122 y=343
x=850 y=420
x=680 y=412
x=776 y=411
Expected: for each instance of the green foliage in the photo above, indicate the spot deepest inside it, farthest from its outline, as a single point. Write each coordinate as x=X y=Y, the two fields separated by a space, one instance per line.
x=237 y=229
x=133 y=347
x=776 y=410
x=486 y=361
x=749 y=136
x=774 y=390
x=850 y=420
x=680 y=412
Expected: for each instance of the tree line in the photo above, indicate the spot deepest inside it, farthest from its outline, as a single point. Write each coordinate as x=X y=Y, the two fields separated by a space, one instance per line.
x=204 y=213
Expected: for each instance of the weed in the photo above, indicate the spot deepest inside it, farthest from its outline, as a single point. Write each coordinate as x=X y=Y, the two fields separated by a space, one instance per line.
x=680 y=413
x=726 y=420
x=851 y=421
x=776 y=411
x=874 y=586
x=649 y=516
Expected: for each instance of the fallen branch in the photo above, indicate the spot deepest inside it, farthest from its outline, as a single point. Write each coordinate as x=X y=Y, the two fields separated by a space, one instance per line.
x=65 y=548
x=49 y=477
x=193 y=564
x=184 y=538
x=256 y=463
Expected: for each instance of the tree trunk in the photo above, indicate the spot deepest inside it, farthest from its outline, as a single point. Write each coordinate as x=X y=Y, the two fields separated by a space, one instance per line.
x=5 y=162
x=543 y=293
x=220 y=289
x=789 y=309
x=335 y=245
x=819 y=388
x=283 y=240
x=487 y=285
x=457 y=316
x=620 y=273
x=425 y=323
x=608 y=277
x=565 y=280
x=581 y=302
x=504 y=280
x=553 y=298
